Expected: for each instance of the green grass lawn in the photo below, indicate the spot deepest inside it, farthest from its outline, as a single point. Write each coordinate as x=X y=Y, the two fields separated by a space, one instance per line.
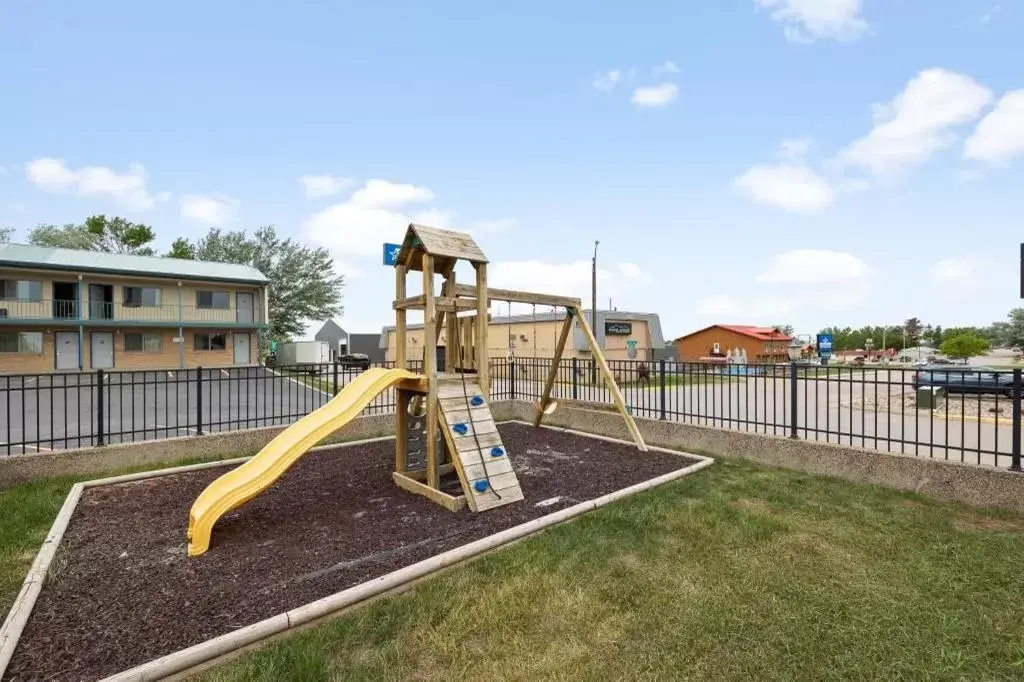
x=738 y=572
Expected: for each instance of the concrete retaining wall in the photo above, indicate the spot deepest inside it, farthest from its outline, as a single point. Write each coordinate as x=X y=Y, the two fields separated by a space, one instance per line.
x=974 y=485
x=94 y=461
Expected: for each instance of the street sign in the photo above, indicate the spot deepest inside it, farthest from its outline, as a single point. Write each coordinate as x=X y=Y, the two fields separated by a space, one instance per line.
x=824 y=345
x=391 y=254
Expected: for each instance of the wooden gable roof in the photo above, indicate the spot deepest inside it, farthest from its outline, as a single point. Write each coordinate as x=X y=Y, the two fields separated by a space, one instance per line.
x=446 y=246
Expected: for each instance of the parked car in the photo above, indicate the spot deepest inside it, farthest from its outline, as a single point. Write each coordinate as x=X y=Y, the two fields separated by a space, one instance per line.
x=965 y=381
x=358 y=360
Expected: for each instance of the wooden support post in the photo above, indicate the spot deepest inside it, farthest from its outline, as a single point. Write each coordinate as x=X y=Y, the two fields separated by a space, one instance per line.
x=482 y=303
x=401 y=431
x=468 y=347
x=451 y=329
x=400 y=338
x=609 y=378
x=553 y=372
x=430 y=371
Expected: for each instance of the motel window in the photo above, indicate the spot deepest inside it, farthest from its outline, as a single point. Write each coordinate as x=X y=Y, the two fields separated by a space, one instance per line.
x=25 y=343
x=21 y=289
x=219 y=300
x=211 y=342
x=142 y=343
x=141 y=297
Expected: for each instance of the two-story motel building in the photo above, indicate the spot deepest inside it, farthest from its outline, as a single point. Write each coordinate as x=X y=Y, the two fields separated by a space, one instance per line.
x=67 y=310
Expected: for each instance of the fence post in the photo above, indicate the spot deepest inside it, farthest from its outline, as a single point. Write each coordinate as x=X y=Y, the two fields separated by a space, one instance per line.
x=1015 y=457
x=575 y=379
x=335 y=377
x=199 y=401
x=512 y=378
x=792 y=399
x=99 y=407
x=661 y=388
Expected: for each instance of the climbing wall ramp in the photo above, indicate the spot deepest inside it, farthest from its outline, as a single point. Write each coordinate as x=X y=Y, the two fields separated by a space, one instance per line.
x=479 y=455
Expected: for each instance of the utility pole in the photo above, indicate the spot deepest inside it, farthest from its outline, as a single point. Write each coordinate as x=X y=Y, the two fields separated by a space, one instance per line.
x=593 y=310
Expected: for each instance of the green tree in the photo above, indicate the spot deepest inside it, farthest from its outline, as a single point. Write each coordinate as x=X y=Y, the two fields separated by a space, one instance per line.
x=6 y=234
x=182 y=248
x=68 y=236
x=912 y=329
x=1015 y=332
x=117 y=235
x=97 y=233
x=786 y=329
x=303 y=282
x=964 y=345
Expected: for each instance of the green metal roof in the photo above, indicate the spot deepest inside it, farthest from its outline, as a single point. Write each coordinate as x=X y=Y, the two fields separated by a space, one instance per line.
x=46 y=258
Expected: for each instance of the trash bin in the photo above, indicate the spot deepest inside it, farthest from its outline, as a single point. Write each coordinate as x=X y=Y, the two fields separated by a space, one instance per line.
x=928 y=397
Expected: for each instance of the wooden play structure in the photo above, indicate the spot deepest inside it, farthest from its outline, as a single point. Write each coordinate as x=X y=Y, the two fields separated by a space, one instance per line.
x=449 y=404
x=443 y=409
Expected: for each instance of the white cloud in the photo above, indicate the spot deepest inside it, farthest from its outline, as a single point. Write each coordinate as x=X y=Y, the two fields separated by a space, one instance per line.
x=374 y=214
x=999 y=136
x=665 y=67
x=803 y=280
x=655 y=95
x=212 y=210
x=792 y=187
x=323 y=185
x=961 y=277
x=795 y=148
x=606 y=81
x=381 y=194
x=810 y=20
x=918 y=122
x=815 y=267
x=128 y=189
x=989 y=15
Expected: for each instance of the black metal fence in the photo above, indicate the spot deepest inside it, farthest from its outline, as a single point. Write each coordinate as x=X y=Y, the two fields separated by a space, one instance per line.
x=962 y=414
x=43 y=412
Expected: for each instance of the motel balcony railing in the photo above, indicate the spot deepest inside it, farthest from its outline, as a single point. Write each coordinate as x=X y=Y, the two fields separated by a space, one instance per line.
x=99 y=312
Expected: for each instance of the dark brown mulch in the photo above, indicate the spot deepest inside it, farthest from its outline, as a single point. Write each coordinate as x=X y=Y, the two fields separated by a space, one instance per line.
x=122 y=590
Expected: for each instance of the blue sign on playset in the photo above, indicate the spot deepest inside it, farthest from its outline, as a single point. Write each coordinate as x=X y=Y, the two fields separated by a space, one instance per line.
x=824 y=345
x=391 y=254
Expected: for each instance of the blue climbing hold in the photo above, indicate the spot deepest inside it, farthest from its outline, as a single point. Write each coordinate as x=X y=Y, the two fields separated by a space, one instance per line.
x=477 y=401
x=480 y=486
x=497 y=451
x=461 y=429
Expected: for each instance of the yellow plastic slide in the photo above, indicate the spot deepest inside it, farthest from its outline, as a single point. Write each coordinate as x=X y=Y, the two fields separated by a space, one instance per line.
x=240 y=485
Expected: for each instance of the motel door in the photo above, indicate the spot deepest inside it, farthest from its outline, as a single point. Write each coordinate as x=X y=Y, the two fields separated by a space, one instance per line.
x=66 y=347
x=243 y=301
x=101 y=350
x=241 y=349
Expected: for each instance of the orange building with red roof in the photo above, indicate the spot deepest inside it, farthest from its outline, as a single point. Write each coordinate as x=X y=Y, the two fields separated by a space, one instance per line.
x=719 y=341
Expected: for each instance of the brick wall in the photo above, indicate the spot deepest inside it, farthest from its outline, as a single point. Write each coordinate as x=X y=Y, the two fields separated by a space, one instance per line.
x=18 y=363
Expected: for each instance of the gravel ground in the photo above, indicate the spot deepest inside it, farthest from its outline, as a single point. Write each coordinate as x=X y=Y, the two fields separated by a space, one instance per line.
x=951 y=406
x=122 y=590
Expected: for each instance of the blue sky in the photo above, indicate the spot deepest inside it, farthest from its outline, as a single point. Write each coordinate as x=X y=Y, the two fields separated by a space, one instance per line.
x=811 y=162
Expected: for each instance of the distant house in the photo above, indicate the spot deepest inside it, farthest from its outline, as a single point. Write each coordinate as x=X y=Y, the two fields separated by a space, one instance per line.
x=719 y=341
x=342 y=342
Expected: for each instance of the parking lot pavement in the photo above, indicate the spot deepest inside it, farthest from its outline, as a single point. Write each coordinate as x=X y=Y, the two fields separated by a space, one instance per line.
x=53 y=412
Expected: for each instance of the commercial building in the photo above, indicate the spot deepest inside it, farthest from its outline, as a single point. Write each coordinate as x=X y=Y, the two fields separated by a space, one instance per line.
x=621 y=336
x=719 y=341
x=67 y=310
x=342 y=342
